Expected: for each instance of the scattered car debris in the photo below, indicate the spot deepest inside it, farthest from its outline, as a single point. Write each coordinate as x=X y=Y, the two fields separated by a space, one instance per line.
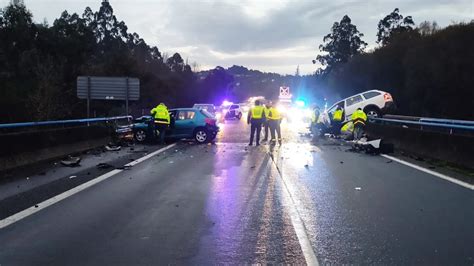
x=71 y=161
x=104 y=166
x=112 y=147
x=358 y=188
x=171 y=162
x=341 y=162
x=125 y=167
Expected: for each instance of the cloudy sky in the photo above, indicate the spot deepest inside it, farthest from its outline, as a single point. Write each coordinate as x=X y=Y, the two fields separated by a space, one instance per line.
x=269 y=35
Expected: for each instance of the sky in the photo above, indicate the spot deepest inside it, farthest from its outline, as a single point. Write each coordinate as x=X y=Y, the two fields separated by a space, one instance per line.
x=267 y=35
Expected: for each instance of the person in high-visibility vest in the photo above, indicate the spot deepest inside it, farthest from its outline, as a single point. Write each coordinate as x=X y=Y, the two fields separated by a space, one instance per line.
x=274 y=120
x=314 y=127
x=347 y=130
x=266 y=122
x=359 y=118
x=336 y=121
x=161 y=120
x=255 y=118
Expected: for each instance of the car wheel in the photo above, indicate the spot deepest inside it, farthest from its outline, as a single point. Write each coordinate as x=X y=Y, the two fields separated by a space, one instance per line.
x=140 y=135
x=201 y=136
x=372 y=112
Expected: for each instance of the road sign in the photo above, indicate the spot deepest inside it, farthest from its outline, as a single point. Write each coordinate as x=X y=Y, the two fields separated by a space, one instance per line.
x=108 y=88
x=285 y=94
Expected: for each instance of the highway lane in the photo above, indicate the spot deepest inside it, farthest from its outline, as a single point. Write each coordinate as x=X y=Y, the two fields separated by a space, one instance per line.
x=229 y=203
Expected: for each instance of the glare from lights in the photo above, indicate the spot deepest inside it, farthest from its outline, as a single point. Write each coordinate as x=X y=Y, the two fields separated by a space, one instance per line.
x=300 y=103
x=226 y=103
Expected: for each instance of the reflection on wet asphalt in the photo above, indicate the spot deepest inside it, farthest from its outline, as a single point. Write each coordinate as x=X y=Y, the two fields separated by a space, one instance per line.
x=228 y=203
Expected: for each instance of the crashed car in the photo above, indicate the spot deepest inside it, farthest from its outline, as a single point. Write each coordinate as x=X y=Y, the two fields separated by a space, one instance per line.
x=186 y=123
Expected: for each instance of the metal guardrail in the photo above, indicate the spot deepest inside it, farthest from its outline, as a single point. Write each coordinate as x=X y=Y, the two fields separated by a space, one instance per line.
x=65 y=122
x=423 y=123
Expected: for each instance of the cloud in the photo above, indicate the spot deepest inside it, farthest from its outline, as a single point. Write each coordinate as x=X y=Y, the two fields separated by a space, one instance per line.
x=270 y=35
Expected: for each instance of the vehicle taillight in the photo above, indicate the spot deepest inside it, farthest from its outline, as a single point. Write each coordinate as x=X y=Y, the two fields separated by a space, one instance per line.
x=210 y=121
x=387 y=97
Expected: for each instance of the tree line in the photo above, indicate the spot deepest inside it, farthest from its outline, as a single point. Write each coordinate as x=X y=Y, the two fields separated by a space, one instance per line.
x=39 y=65
x=428 y=70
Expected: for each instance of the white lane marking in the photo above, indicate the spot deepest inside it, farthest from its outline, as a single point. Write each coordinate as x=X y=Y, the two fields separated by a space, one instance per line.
x=297 y=222
x=445 y=177
x=38 y=207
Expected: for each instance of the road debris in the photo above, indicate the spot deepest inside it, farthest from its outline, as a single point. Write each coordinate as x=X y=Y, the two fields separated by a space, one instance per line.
x=341 y=162
x=73 y=176
x=358 y=188
x=306 y=166
x=112 y=147
x=171 y=162
x=104 y=166
x=71 y=161
x=125 y=167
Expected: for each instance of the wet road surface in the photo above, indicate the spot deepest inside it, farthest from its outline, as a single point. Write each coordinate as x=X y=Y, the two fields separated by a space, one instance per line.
x=228 y=203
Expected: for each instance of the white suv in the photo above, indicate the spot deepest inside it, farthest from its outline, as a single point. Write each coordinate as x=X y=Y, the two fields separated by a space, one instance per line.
x=374 y=103
x=234 y=111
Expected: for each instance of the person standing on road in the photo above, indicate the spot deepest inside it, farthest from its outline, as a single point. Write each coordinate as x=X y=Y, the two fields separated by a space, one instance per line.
x=337 y=120
x=255 y=118
x=266 y=122
x=161 y=120
x=315 y=120
x=274 y=120
x=359 y=118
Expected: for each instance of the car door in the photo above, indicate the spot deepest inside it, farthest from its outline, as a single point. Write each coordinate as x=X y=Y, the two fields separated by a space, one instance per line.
x=352 y=103
x=184 y=123
x=332 y=109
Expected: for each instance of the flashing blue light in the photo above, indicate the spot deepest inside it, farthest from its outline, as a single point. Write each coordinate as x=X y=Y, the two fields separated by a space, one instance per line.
x=300 y=103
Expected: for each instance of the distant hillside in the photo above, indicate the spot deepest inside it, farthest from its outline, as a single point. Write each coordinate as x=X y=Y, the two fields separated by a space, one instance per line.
x=249 y=82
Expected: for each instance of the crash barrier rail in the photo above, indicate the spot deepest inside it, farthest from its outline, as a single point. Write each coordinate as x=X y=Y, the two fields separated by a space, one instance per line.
x=87 y=121
x=447 y=126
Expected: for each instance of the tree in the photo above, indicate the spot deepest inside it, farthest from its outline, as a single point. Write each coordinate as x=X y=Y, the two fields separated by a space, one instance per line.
x=393 y=24
x=344 y=42
x=428 y=28
x=175 y=63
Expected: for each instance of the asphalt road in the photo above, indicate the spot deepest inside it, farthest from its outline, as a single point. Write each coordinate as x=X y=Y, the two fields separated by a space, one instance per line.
x=228 y=203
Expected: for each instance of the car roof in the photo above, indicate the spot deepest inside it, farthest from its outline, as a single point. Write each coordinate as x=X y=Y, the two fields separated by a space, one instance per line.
x=359 y=94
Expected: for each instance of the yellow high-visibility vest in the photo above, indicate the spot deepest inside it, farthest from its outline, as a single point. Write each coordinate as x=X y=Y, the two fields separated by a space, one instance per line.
x=359 y=116
x=349 y=127
x=161 y=114
x=337 y=116
x=273 y=114
x=266 y=110
x=257 y=112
